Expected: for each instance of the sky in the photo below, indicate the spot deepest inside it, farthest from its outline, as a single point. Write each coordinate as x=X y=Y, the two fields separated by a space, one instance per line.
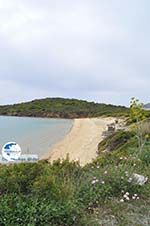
x=97 y=50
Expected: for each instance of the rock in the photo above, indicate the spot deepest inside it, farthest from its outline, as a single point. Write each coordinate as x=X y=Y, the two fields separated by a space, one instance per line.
x=138 y=179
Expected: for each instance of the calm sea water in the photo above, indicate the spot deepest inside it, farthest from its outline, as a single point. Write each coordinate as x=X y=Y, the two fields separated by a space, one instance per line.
x=34 y=135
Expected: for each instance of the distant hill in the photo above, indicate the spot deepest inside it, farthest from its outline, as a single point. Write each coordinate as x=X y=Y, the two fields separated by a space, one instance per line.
x=147 y=106
x=62 y=108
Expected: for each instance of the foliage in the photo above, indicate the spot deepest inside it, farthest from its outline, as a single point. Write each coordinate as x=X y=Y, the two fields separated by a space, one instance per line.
x=137 y=112
x=115 y=141
x=137 y=115
x=66 y=194
x=62 y=108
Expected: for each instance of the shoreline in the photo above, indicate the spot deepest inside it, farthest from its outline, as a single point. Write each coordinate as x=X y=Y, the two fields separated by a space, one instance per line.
x=81 y=143
x=34 y=135
x=35 y=117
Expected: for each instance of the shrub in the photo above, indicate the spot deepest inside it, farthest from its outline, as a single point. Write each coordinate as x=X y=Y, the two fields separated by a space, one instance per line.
x=115 y=141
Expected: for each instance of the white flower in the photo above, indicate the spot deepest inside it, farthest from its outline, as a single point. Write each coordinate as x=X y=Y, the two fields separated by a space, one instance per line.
x=105 y=172
x=133 y=197
x=130 y=180
x=93 y=182
x=98 y=167
x=137 y=198
x=127 y=198
x=127 y=193
x=103 y=182
x=126 y=173
x=121 y=200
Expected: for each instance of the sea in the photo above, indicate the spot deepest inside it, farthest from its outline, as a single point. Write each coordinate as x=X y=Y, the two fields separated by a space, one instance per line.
x=34 y=135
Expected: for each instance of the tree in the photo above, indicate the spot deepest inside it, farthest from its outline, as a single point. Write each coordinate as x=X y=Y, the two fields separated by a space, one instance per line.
x=137 y=115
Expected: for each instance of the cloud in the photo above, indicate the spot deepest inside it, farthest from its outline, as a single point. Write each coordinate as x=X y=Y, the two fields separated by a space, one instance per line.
x=96 y=50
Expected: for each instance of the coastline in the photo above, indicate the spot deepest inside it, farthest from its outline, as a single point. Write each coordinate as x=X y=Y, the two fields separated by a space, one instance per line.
x=81 y=143
x=34 y=135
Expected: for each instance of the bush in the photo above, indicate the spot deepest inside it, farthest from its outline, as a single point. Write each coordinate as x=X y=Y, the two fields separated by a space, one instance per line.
x=65 y=194
x=20 y=210
x=115 y=141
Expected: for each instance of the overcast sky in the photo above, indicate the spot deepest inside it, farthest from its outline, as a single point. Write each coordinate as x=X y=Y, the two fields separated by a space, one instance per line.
x=89 y=49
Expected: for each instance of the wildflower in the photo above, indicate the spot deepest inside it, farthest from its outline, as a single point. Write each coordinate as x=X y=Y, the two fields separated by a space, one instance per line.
x=105 y=172
x=74 y=218
x=93 y=182
x=97 y=167
x=103 y=182
x=126 y=173
x=137 y=198
x=126 y=196
x=121 y=200
x=130 y=180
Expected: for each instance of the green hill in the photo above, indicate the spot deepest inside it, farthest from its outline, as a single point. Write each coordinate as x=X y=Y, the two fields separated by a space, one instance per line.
x=62 y=108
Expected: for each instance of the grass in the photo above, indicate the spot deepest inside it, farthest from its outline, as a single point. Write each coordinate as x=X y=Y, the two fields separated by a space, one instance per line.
x=66 y=194
x=115 y=213
x=116 y=141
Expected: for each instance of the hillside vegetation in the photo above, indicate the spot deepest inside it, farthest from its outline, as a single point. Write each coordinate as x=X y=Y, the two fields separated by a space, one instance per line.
x=102 y=193
x=62 y=108
x=65 y=194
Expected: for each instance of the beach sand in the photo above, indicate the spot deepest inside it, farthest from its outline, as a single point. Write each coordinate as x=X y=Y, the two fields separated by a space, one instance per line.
x=81 y=144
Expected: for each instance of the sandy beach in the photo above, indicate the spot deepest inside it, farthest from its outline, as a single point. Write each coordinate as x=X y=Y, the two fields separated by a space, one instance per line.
x=82 y=141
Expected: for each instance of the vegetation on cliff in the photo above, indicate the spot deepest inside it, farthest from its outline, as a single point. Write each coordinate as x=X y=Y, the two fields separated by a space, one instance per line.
x=62 y=108
x=102 y=193
x=65 y=194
